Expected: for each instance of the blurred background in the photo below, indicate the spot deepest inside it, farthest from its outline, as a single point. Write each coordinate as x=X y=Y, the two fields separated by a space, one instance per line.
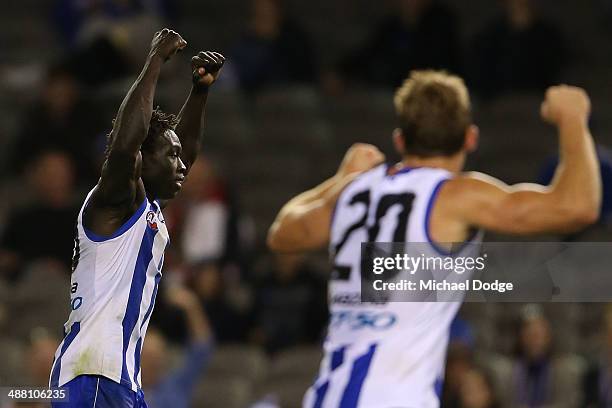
x=235 y=326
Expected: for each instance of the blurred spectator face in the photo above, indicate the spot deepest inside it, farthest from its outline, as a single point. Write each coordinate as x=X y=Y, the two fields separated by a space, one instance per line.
x=535 y=338
x=475 y=391
x=153 y=359
x=519 y=12
x=40 y=358
x=52 y=177
x=60 y=94
x=208 y=281
x=267 y=17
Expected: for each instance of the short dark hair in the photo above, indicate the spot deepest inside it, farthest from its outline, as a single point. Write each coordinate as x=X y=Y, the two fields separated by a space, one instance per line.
x=433 y=108
x=160 y=122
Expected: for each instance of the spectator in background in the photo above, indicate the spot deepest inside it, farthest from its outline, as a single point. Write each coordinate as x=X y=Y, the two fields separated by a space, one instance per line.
x=99 y=31
x=417 y=34
x=290 y=306
x=518 y=51
x=207 y=251
x=175 y=388
x=204 y=218
x=597 y=382
x=70 y=16
x=62 y=119
x=274 y=50
x=39 y=358
x=541 y=378
x=44 y=230
x=228 y=318
x=459 y=361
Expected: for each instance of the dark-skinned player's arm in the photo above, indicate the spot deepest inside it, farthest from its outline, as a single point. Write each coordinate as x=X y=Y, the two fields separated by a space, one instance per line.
x=572 y=200
x=119 y=184
x=206 y=67
x=303 y=223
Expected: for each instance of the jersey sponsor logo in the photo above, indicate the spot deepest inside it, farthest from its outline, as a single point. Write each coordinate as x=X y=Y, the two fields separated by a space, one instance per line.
x=346 y=298
x=151 y=222
x=353 y=298
x=362 y=320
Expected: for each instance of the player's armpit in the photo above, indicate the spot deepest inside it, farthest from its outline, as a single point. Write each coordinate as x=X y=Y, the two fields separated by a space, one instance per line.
x=485 y=202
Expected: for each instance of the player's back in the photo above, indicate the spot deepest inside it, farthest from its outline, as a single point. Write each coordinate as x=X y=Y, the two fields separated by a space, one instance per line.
x=386 y=353
x=113 y=287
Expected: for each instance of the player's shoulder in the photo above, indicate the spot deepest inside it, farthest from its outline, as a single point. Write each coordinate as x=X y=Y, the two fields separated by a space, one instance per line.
x=369 y=176
x=469 y=186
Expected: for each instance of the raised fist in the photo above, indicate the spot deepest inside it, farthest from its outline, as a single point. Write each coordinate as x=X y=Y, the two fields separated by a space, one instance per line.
x=206 y=67
x=166 y=43
x=360 y=157
x=565 y=102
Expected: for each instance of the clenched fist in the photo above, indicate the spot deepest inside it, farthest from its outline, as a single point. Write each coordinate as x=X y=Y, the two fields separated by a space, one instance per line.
x=565 y=103
x=206 y=67
x=360 y=157
x=166 y=43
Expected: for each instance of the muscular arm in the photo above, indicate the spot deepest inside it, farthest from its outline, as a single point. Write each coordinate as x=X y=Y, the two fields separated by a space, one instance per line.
x=118 y=182
x=303 y=222
x=120 y=189
x=571 y=202
x=206 y=67
x=189 y=128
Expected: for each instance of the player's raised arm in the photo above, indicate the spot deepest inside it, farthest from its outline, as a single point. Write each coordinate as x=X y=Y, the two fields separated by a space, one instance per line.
x=118 y=183
x=206 y=67
x=303 y=223
x=571 y=202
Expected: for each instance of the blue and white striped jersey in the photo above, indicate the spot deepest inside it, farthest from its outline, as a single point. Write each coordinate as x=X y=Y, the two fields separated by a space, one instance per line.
x=386 y=354
x=113 y=287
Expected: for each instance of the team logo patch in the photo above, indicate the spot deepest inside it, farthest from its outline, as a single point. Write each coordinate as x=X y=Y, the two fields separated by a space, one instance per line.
x=151 y=220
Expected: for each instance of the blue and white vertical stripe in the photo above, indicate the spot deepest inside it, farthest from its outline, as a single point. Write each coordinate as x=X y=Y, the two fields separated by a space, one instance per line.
x=116 y=281
x=341 y=379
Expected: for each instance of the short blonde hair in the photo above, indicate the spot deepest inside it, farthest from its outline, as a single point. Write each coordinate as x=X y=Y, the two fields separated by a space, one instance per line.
x=434 y=111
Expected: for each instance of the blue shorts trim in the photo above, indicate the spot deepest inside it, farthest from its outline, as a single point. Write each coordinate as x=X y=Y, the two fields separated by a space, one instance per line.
x=96 y=391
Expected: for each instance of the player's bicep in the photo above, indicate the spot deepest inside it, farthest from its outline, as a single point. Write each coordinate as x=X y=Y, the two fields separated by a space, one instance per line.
x=488 y=203
x=118 y=180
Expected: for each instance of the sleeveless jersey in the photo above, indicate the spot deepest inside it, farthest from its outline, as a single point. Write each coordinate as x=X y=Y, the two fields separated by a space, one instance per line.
x=113 y=287
x=382 y=355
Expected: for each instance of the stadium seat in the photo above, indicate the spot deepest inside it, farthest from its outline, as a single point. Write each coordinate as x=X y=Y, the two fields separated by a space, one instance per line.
x=216 y=391
x=238 y=361
x=291 y=373
x=40 y=300
x=11 y=362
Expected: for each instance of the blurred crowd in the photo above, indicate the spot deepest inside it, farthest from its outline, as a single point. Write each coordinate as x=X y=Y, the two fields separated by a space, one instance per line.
x=518 y=49
x=220 y=287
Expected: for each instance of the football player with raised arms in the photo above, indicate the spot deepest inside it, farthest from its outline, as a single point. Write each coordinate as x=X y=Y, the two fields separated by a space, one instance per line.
x=121 y=235
x=391 y=355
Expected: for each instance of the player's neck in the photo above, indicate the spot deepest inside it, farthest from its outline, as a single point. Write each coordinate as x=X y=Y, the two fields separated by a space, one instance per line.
x=454 y=163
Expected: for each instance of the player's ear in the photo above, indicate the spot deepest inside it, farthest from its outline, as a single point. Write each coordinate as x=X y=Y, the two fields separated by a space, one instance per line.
x=398 y=141
x=472 y=136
